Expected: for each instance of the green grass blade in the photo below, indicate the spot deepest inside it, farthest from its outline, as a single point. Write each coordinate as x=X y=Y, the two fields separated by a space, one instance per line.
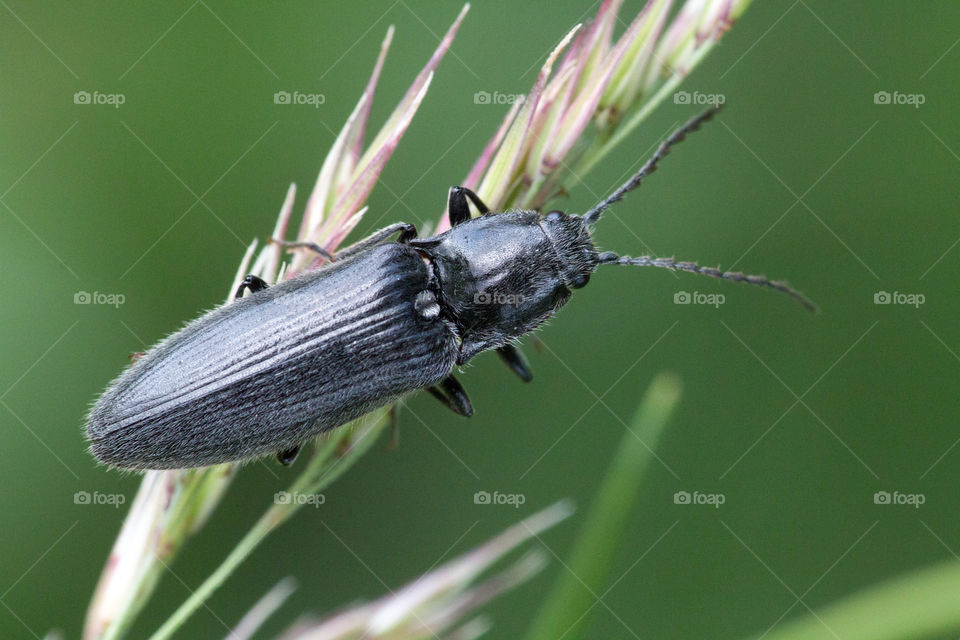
x=563 y=613
x=920 y=604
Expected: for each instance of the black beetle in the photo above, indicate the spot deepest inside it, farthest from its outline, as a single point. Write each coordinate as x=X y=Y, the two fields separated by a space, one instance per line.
x=268 y=372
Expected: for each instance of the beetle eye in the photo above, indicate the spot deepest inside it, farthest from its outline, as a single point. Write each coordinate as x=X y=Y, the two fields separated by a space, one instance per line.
x=554 y=216
x=580 y=280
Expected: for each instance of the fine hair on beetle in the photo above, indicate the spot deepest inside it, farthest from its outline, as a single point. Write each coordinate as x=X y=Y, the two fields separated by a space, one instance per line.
x=270 y=371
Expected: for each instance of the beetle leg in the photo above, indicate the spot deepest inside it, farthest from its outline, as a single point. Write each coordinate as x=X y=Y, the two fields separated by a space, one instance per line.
x=287 y=456
x=313 y=246
x=458 y=210
x=455 y=397
x=516 y=361
x=251 y=282
x=407 y=232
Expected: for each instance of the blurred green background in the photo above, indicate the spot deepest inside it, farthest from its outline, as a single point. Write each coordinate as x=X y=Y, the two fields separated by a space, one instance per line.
x=797 y=419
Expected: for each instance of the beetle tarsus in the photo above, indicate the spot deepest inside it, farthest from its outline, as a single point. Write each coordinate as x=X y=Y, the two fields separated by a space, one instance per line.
x=458 y=209
x=515 y=359
x=287 y=456
x=453 y=396
x=253 y=283
x=407 y=233
x=313 y=246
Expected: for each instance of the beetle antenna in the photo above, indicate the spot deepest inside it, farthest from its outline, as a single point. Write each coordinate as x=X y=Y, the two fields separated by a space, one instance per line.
x=609 y=257
x=590 y=217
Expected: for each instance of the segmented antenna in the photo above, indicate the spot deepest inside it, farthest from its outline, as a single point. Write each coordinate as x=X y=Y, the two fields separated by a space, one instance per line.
x=693 y=124
x=609 y=257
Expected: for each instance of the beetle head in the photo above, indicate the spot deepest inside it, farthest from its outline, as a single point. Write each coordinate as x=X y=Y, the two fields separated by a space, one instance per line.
x=571 y=240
